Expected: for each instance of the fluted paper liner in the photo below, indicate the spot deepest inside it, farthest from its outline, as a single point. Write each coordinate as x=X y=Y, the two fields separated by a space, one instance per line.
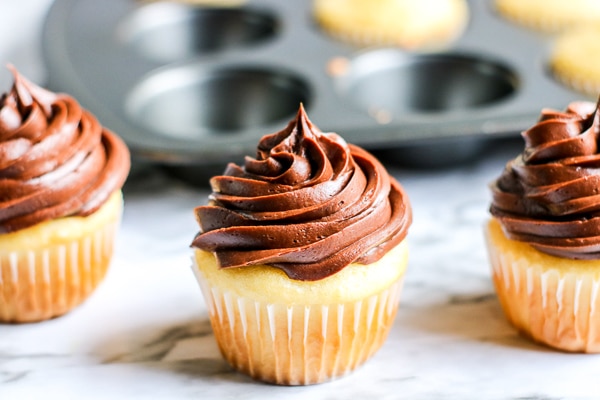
x=47 y=282
x=298 y=344
x=558 y=308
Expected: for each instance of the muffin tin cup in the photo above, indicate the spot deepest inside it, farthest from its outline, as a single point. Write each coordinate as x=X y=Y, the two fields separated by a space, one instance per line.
x=191 y=87
x=191 y=102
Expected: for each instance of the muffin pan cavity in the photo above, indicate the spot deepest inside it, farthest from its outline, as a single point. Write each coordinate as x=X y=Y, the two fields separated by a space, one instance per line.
x=190 y=87
x=194 y=103
x=168 y=32
x=389 y=84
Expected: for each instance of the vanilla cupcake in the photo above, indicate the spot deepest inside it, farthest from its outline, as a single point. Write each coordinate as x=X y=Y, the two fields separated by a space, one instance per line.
x=301 y=255
x=549 y=15
x=574 y=61
x=60 y=202
x=544 y=235
x=412 y=25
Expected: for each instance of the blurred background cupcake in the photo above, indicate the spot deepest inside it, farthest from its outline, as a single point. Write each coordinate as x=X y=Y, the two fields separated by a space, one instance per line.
x=414 y=25
x=549 y=15
x=575 y=59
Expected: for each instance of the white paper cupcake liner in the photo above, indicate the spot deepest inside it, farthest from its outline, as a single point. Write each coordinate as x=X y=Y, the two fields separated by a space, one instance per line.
x=298 y=344
x=558 y=308
x=42 y=283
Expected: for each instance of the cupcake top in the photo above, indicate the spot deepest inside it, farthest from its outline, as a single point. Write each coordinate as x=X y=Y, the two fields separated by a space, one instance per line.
x=309 y=204
x=413 y=25
x=550 y=15
x=56 y=160
x=571 y=61
x=549 y=196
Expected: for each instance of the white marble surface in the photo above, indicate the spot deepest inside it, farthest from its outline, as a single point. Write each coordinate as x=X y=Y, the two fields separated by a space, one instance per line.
x=144 y=334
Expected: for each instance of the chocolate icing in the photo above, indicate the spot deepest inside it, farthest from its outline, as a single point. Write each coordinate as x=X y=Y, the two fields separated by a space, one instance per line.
x=549 y=196
x=309 y=204
x=56 y=160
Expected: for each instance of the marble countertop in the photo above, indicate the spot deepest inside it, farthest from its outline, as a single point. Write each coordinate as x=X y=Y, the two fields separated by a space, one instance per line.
x=145 y=332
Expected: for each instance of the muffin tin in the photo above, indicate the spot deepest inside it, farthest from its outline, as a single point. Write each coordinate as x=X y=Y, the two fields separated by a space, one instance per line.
x=191 y=87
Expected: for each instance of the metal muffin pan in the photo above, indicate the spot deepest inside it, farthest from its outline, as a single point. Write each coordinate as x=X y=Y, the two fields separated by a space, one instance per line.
x=188 y=87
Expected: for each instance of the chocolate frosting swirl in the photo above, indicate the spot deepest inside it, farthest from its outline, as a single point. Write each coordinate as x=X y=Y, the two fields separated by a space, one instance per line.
x=549 y=196
x=309 y=204
x=56 y=160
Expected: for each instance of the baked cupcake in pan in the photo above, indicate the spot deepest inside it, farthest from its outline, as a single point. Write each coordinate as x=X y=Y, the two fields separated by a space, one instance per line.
x=549 y=15
x=412 y=25
x=573 y=61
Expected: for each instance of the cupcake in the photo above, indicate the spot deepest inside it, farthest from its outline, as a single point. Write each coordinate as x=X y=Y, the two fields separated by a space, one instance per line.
x=60 y=202
x=413 y=25
x=544 y=235
x=573 y=60
x=549 y=15
x=301 y=255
